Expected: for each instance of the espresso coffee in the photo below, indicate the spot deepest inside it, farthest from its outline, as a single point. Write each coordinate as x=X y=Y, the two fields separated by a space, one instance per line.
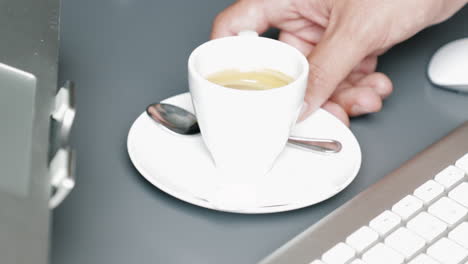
x=263 y=79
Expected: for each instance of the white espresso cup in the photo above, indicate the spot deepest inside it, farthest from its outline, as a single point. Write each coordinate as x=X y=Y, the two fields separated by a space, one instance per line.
x=246 y=130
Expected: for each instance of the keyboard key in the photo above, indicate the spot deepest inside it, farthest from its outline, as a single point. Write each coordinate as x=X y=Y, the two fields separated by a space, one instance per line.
x=447 y=252
x=381 y=254
x=462 y=163
x=339 y=254
x=427 y=226
x=358 y=261
x=429 y=191
x=460 y=234
x=405 y=242
x=385 y=222
x=423 y=259
x=408 y=207
x=450 y=176
x=448 y=210
x=362 y=239
x=460 y=194
x=316 y=262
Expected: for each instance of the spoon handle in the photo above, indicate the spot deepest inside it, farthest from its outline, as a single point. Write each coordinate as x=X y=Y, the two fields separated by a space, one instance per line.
x=316 y=144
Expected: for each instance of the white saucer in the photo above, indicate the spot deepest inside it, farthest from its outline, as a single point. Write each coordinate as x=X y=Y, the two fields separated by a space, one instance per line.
x=182 y=167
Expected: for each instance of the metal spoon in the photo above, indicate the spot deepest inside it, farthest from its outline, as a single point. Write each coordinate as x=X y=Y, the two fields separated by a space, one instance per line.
x=183 y=122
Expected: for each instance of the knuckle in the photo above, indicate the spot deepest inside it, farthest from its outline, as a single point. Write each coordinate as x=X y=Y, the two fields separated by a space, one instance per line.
x=364 y=24
x=318 y=76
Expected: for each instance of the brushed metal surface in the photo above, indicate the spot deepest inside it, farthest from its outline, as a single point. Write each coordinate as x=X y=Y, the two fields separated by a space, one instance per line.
x=335 y=227
x=29 y=42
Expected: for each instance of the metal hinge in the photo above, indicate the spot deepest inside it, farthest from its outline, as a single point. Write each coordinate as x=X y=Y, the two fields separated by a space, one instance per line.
x=62 y=164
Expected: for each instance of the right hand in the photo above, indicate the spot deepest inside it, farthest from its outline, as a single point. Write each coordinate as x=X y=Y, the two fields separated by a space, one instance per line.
x=341 y=39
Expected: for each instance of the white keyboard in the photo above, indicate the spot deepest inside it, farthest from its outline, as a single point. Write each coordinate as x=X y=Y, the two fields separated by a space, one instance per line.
x=417 y=214
x=429 y=225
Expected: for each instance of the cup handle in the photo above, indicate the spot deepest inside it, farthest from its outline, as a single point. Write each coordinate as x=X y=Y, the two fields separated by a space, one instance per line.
x=247 y=33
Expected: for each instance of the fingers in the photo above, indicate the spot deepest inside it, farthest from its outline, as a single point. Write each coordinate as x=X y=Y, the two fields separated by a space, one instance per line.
x=381 y=84
x=304 y=30
x=337 y=111
x=304 y=37
x=358 y=100
x=292 y=39
x=330 y=62
x=242 y=15
x=367 y=65
x=364 y=95
x=354 y=77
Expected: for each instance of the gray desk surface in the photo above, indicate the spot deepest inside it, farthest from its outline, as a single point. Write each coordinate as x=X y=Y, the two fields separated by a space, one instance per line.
x=124 y=54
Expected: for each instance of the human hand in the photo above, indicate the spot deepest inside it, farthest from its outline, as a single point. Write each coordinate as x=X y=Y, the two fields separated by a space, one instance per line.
x=341 y=39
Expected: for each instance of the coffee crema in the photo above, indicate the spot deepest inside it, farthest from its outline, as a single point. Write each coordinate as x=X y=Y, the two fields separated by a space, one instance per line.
x=263 y=79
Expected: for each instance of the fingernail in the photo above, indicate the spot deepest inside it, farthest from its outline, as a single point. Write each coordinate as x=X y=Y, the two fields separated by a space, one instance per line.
x=382 y=90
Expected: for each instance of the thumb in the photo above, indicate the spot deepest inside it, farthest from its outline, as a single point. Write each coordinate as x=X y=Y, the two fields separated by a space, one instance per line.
x=242 y=15
x=330 y=62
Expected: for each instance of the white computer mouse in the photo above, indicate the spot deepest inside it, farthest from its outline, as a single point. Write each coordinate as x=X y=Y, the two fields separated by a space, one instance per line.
x=448 y=67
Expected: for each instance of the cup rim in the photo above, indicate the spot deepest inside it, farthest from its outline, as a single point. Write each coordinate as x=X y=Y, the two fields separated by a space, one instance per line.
x=303 y=61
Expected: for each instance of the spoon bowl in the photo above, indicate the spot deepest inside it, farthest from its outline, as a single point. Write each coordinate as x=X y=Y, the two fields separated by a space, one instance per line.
x=174 y=118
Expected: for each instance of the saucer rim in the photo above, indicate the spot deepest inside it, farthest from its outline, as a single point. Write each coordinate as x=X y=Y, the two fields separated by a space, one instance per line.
x=187 y=197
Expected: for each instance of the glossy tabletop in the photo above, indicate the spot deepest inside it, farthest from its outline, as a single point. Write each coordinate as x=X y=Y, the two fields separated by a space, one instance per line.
x=125 y=54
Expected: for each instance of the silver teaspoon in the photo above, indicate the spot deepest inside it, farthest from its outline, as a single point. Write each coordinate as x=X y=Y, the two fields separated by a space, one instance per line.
x=183 y=122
